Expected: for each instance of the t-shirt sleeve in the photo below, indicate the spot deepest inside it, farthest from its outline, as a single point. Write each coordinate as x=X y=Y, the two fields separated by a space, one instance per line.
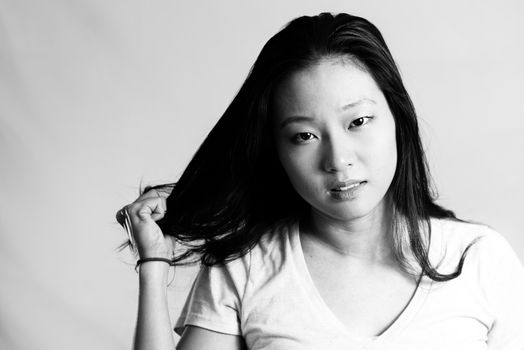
x=215 y=299
x=502 y=279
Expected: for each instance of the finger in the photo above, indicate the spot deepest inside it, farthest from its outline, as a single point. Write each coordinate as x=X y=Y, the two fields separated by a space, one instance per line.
x=152 y=193
x=147 y=209
x=159 y=211
x=162 y=192
x=146 y=200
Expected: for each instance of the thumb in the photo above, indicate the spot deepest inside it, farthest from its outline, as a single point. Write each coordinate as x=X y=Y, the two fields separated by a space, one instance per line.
x=152 y=211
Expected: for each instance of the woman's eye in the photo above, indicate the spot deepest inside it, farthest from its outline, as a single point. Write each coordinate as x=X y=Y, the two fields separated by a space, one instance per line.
x=303 y=137
x=359 y=121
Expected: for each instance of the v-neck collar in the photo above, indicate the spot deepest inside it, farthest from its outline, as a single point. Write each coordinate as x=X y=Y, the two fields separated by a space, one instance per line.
x=407 y=314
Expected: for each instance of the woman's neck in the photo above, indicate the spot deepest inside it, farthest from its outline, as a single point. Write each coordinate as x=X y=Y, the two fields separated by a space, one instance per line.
x=367 y=239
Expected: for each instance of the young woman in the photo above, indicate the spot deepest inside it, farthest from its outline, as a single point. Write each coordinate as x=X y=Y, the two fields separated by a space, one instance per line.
x=309 y=207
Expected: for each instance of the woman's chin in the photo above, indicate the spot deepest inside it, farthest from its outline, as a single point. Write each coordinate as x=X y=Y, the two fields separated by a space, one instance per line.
x=350 y=210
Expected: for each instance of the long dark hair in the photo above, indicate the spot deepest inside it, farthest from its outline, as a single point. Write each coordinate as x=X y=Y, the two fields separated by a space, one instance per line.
x=234 y=189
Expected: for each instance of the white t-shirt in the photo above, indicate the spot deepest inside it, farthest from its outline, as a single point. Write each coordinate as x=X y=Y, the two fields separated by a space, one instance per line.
x=269 y=298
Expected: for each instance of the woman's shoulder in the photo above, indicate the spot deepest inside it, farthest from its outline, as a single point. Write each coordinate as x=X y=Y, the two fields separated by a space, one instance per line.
x=276 y=240
x=456 y=233
x=451 y=238
x=272 y=249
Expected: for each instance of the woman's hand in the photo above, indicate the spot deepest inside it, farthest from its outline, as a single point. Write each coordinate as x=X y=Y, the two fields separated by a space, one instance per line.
x=143 y=213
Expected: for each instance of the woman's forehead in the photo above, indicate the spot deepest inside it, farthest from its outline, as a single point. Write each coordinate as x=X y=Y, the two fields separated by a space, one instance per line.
x=328 y=85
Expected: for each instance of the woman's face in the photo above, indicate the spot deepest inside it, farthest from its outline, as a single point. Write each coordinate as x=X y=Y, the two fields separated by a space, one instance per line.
x=335 y=138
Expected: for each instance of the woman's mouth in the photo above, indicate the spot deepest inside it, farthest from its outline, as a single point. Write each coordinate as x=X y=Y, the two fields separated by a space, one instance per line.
x=346 y=190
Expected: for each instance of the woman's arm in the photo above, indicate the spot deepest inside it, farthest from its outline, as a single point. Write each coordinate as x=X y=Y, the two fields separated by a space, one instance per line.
x=153 y=327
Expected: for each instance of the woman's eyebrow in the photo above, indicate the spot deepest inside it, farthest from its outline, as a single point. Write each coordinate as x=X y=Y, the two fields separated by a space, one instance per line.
x=296 y=119
x=358 y=102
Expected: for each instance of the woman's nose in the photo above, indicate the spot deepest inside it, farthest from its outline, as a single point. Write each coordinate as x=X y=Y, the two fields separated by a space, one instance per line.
x=338 y=155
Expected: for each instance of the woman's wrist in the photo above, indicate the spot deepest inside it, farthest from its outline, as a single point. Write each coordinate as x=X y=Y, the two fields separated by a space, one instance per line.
x=142 y=261
x=153 y=272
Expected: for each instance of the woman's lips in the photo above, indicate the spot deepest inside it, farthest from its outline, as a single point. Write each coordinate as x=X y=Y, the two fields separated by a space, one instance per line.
x=345 y=185
x=347 y=190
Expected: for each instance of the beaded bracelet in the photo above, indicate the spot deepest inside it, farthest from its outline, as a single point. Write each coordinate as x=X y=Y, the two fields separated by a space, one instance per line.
x=141 y=261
